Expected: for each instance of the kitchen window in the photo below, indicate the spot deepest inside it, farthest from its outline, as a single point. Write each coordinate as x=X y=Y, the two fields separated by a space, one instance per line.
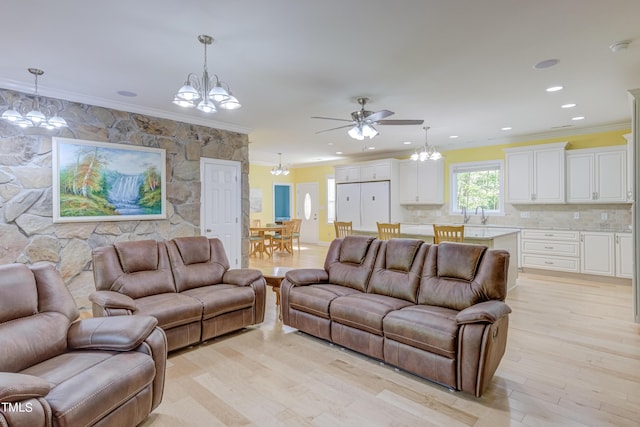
x=477 y=185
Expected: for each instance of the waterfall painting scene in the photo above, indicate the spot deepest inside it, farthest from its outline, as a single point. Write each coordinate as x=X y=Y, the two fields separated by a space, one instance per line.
x=95 y=181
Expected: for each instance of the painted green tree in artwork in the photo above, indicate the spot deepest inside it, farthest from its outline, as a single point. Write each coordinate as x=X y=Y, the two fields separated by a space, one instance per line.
x=83 y=190
x=151 y=190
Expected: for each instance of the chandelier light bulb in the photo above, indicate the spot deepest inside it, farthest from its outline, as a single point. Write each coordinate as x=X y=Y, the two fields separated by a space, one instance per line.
x=279 y=170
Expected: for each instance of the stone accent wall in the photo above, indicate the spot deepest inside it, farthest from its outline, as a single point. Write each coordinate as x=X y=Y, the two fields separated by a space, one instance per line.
x=27 y=232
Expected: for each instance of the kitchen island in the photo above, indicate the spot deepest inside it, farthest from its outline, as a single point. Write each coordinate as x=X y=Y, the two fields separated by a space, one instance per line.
x=490 y=236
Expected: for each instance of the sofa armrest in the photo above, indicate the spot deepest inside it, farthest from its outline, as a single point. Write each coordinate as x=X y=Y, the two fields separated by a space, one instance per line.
x=484 y=312
x=241 y=276
x=110 y=299
x=18 y=387
x=307 y=276
x=119 y=333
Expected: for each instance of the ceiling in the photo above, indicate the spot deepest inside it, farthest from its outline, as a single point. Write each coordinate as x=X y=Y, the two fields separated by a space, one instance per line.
x=463 y=66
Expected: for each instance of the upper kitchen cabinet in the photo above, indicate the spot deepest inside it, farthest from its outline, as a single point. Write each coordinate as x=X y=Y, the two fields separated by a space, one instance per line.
x=378 y=170
x=535 y=174
x=597 y=175
x=421 y=182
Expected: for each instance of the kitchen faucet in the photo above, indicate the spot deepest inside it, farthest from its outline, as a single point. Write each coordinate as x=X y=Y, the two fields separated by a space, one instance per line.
x=484 y=218
x=464 y=214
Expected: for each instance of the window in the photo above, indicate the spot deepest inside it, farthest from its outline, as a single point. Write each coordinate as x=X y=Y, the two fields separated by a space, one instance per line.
x=331 y=199
x=477 y=185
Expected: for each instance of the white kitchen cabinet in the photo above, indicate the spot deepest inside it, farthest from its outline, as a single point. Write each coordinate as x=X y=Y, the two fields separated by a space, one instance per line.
x=551 y=249
x=363 y=203
x=597 y=175
x=535 y=174
x=379 y=171
x=624 y=255
x=349 y=173
x=421 y=182
x=597 y=254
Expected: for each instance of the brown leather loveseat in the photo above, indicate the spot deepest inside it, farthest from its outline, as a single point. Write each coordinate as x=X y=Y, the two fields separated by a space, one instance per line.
x=56 y=370
x=185 y=283
x=434 y=310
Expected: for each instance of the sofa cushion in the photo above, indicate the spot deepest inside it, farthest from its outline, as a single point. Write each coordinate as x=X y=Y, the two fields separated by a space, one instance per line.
x=364 y=311
x=141 y=255
x=193 y=249
x=315 y=299
x=397 y=269
x=354 y=249
x=171 y=309
x=87 y=385
x=433 y=329
x=458 y=261
x=17 y=280
x=223 y=298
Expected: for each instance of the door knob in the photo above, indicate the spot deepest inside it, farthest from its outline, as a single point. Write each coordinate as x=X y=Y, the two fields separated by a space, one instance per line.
x=208 y=230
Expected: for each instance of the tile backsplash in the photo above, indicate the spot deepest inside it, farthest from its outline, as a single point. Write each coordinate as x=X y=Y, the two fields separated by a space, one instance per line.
x=613 y=217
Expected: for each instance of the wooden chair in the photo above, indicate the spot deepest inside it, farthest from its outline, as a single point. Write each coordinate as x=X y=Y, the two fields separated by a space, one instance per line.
x=283 y=241
x=388 y=231
x=448 y=233
x=255 y=238
x=343 y=228
x=297 y=223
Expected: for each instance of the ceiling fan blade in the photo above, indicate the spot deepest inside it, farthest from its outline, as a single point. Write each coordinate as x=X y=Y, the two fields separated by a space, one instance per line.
x=378 y=115
x=400 y=122
x=331 y=118
x=339 y=127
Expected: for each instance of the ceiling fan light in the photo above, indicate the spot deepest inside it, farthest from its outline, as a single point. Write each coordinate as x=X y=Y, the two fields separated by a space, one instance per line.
x=369 y=131
x=356 y=133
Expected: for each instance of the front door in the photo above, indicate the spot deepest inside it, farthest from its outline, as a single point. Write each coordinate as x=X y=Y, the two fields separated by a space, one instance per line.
x=307 y=210
x=221 y=207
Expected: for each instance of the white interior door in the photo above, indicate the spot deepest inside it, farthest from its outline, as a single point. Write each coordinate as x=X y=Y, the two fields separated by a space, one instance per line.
x=220 y=206
x=307 y=210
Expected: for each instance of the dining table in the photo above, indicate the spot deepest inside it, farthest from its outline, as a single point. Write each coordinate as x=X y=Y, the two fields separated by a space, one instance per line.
x=263 y=231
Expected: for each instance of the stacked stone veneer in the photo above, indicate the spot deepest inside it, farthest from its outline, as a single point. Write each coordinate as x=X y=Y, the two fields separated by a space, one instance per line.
x=27 y=231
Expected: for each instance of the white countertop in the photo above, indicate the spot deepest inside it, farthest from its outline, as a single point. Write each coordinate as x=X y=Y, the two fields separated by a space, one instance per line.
x=470 y=231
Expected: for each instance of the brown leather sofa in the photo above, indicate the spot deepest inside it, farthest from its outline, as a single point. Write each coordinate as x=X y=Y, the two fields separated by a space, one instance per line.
x=56 y=370
x=185 y=283
x=434 y=310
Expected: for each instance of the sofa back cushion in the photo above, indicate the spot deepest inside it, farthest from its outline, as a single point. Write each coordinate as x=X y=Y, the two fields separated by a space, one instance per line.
x=36 y=309
x=350 y=260
x=459 y=275
x=397 y=269
x=136 y=268
x=191 y=269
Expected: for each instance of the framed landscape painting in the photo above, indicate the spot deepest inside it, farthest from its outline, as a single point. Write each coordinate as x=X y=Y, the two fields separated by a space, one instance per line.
x=96 y=181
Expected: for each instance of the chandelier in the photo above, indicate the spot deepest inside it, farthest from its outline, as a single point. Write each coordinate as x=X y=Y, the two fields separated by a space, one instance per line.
x=279 y=170
x=206 y=94
x=30 y=113
x=428 y=152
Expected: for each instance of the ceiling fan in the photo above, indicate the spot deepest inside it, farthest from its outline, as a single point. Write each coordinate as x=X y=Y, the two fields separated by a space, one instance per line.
x=362 y=121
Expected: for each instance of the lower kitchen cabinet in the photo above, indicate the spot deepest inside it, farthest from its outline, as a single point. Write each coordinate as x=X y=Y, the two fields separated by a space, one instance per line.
x=551 y=250
x=597 y=253
x=624 y=255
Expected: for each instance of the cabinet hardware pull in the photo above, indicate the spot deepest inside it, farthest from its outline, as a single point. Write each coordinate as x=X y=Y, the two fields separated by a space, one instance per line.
x=548 y=247
x=548 y=234
x=549 y=262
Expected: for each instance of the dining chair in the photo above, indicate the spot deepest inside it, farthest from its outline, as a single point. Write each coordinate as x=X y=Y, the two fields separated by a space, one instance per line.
x=388 y=231
x=343 y=228
x=283 y=241
x=255 y=238
x=448 y=233
x=297 y=223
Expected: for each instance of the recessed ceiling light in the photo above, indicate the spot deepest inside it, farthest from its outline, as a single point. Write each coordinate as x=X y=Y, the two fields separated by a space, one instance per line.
x=554 y=88
x=577 y=118
x=547 y=63
x=371 y=148
x=568 y=106
x=338 y=152
x=407 y=143
x=127 y=93
x=506 y=128
x=453 y=136
x=329 y=144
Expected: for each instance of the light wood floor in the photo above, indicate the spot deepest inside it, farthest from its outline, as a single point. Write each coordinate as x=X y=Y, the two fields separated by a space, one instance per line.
x=572 y=359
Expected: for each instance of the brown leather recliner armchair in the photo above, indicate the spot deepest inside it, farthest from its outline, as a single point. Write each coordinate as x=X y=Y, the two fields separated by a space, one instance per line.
x=57 y=370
